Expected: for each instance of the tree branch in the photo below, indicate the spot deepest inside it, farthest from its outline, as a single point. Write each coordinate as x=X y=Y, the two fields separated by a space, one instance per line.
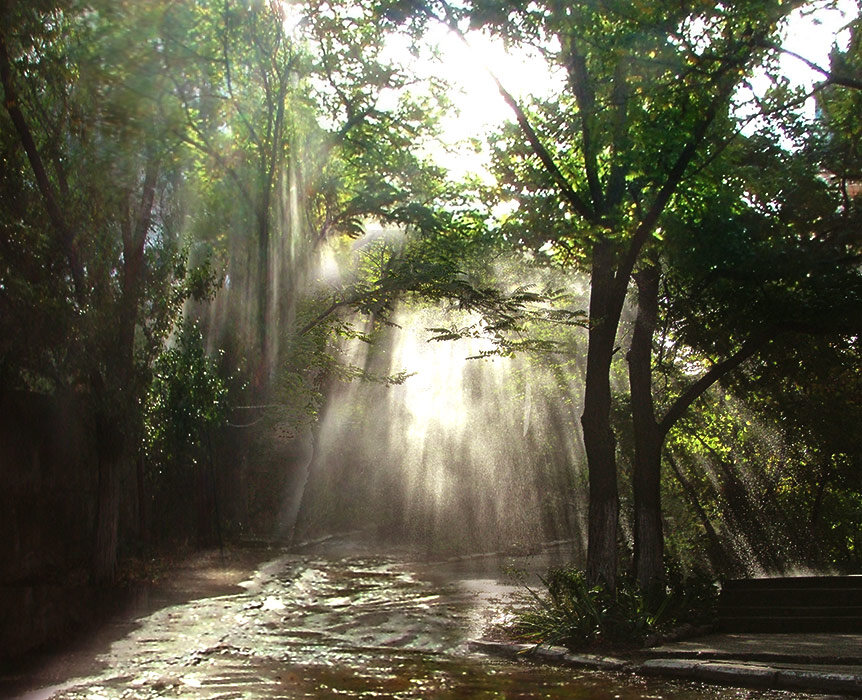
x=579 y=206
x=228 y=74
x=671 y=183
x=749 y=348
x=586 y=106
x=43 y=182
x=832 y=78
x=620 y=98
x=322 y=316
x=571 y=196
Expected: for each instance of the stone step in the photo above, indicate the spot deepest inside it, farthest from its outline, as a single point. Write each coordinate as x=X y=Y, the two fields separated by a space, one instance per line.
x=799 y=597
x=793 y=604
x=794 y=582
x=792 y=611
x=820 y=623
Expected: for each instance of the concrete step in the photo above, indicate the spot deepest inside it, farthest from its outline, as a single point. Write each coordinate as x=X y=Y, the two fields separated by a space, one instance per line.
x=844 y=625
x=794 y=582
x=793 y=604
x=801 y=596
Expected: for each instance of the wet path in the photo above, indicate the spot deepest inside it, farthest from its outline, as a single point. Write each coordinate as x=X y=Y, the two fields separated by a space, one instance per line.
x=340 y=627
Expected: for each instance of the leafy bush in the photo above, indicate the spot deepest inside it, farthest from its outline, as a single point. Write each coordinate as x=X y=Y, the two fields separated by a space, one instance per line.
x=578 y=616
x=186 y=400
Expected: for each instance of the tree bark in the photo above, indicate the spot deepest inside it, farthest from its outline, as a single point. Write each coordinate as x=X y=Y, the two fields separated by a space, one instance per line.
x=650 y=432
x=648 y=534
x=264 y=285
x=107 y=519
x=599 y=438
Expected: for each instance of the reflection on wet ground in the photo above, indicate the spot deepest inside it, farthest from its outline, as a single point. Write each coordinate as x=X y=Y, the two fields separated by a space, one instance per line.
x=327 y=626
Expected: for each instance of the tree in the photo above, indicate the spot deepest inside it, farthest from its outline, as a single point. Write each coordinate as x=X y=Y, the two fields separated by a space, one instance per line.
x=600 y=173
x=769 y=267
x=647 y=101
x=135 y=132
x=303 y=124
x=98 y=181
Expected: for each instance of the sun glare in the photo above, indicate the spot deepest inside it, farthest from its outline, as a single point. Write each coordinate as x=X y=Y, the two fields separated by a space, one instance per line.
x=480 y=108
x=291 y=15
x=812 y=36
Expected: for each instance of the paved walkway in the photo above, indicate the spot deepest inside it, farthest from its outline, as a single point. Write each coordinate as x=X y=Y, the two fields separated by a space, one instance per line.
x=806 y=648
x=829 y=663
x=822 y=663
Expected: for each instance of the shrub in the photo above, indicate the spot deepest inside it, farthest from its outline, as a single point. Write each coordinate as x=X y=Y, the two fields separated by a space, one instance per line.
x=573 y=614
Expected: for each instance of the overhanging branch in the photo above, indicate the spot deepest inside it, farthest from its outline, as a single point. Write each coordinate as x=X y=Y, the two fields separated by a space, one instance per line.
x=580 y=207
x=831 y=77
x=568 y=192
x=749 y=348
x=43 y=182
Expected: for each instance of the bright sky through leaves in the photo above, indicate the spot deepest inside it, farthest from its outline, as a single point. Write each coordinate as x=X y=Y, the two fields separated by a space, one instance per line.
x=480 y=106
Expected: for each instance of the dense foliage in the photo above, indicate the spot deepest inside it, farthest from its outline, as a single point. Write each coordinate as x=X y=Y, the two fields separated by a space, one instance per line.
x=185 y=403
x=205 y=203
x=571 y=613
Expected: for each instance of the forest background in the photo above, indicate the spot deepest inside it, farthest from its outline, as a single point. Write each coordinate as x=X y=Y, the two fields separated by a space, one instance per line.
x=209 y=206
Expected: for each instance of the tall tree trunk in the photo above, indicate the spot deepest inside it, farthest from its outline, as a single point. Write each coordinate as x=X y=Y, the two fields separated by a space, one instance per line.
x=648 y=535
x=143 y=515
x=114 y=383
x=650 y=433
x=107 y=520
x=596 y=422
x=109 y=452
x=264 y=285
x=214 y=490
